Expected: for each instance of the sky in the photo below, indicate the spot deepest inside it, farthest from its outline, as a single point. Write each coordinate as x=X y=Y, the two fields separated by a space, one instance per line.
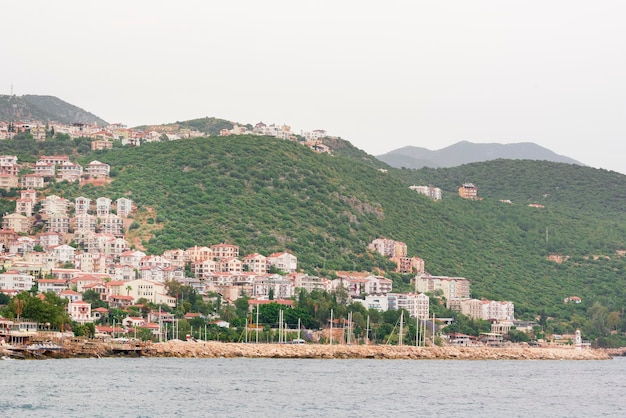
x=381 y=75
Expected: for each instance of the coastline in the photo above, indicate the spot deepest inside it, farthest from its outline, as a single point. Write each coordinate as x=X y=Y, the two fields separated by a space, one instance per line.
x=212 y=349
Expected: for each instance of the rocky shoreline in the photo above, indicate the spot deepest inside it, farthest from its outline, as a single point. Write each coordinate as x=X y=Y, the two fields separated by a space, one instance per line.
x=210 y=349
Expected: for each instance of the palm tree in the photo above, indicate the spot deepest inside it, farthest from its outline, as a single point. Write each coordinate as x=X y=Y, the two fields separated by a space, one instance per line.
x=128 y=289
x=228 y=313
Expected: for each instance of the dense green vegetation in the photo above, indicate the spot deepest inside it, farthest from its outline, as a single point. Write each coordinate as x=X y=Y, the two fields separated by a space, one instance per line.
x=43 y=108
x=211 y=126
x=267 y=195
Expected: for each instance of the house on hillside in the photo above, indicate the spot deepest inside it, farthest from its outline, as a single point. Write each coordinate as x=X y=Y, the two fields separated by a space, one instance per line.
x=468 y=191
x=283 y=261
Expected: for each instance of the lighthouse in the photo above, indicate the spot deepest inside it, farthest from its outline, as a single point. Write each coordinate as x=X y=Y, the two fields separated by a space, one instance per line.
x=578 y=341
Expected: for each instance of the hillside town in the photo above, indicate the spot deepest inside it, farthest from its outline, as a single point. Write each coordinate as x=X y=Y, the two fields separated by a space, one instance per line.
x=103 y=137
x=67 y=248
x=80 y=246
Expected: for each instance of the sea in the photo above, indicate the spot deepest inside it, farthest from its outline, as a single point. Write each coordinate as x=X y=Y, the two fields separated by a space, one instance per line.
x=241 y=387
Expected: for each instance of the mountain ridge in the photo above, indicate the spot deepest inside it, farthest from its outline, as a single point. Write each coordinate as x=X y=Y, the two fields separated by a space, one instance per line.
x=465 y=152
x=43 y=108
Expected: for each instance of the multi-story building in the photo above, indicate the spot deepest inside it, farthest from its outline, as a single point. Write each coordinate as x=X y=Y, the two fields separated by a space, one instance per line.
x=103 y=206
x=124 y=207
x=309 y=283
x=132 y=258
x=64 y=253
x=388 y=247
x=468 y=191
x=101 y=144
x=8 y=181
x=8 y=238
x=430 y=191
x=32 y=181
x=155 y=261
x=9 y=165
x=416 y=304
x=224 y=250
x=54 y=159
x=91 y=262
x=54 y=205
x=16 y=222
x=44 y=169
x=255 y=263
x=137 y=289
x=59 y=223
x=410 y=265
x=197 y=254
x=51 y=285
x=378 y=302
x=283 y=261
x=265 y=285
x=204 y=269
x=69 y=171
x=98 y=169
x=24 y=207
x=112 y=224
x=486 y=309
x=85 y=221
x=49 y=239
x=29 y=194
x=80 y=311
x=16 y=281
x=230 y=265
x=176 y=257
x=82 y=205
x=449 y=287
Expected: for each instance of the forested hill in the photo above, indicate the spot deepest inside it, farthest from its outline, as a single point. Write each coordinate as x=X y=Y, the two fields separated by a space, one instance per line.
x=45 y=109
x=466 y=152
x=207 y=125
x=266 y=195
x=572 y=188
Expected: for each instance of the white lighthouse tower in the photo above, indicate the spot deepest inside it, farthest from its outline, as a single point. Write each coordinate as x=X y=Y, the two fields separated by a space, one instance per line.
x=578 y=341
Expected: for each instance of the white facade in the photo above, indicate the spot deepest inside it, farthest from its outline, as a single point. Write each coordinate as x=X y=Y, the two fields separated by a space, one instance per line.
x=80 y=311
x=12 y=280
x=124 y=207
x=416 y=304
x=284 y=262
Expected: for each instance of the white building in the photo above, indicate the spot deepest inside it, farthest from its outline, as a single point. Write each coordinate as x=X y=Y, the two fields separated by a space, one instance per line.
x=416 y=304
x=80 y=311
x=430 y=191
x=283 y=261
x=15 y=281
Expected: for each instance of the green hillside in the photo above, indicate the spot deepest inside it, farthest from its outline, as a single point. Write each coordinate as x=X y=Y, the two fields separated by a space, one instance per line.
x=207 y=125
x=267 y=195
x=43 y=108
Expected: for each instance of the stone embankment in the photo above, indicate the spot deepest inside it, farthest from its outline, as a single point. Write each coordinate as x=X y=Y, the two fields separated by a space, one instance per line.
x=211 y=349
x=318 y=351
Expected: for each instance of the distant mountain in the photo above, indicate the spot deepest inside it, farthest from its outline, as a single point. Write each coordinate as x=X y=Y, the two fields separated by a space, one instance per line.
x=43 y=108
x=465 y=152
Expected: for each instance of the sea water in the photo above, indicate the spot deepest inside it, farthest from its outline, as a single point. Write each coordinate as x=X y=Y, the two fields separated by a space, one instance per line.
x=164 y=387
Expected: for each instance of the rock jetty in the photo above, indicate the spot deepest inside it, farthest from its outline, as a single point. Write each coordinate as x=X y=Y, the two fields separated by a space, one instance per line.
x=319 y=351
x=211 y=349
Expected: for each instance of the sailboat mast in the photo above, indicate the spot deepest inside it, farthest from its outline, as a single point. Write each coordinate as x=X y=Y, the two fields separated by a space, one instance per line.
x=331 y=327
x=401 y=324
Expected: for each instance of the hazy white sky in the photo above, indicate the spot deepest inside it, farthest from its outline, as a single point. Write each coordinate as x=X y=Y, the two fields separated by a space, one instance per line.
x=380 y=74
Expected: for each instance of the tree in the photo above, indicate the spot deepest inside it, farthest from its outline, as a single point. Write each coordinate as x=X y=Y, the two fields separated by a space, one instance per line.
x=228 y=313
x=49 y=310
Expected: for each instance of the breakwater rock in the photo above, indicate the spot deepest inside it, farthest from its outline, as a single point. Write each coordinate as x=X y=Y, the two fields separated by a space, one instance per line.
x=319 y=351
x=212 y=349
